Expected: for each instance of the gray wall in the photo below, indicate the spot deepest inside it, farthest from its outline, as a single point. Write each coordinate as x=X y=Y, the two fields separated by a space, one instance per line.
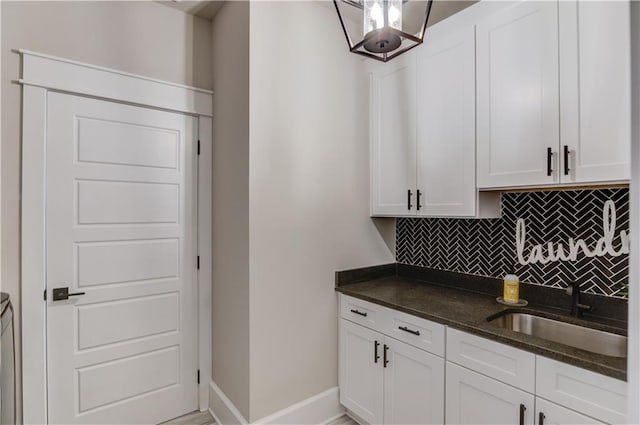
x=143 y=38
x=309 y=196
x=230 y=266
x=291 y=199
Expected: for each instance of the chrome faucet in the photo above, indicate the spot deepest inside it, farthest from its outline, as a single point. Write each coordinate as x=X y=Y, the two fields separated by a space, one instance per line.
x=577 y=309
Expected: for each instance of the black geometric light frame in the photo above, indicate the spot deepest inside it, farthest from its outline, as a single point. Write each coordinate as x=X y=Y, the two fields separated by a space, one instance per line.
x=387 y=42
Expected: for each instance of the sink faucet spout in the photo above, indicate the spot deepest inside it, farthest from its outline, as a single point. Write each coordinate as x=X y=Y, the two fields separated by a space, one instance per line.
x=577 y=308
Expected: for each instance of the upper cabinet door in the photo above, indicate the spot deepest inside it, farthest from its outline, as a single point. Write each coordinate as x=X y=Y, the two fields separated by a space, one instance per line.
x=595 y=91
x=518 y=113
x=446 y=124
x=393 y=137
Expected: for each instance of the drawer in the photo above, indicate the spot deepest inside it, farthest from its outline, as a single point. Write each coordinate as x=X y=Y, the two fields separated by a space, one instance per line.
x=362 y=312
x=498 y=361
x=589 y=393
x=416 y=331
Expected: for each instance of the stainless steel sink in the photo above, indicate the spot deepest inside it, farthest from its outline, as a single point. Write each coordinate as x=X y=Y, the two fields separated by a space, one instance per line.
x=593 y=340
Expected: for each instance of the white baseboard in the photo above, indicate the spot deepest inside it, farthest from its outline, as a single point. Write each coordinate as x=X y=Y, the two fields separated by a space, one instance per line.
x=319 y=409
x=356 y=418
x=222 y=409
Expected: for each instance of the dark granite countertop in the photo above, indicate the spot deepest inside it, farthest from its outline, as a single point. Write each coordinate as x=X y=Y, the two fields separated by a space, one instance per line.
x=465 y=302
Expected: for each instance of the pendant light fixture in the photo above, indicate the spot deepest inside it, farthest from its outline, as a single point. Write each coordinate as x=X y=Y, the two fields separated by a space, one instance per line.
x=383 y=29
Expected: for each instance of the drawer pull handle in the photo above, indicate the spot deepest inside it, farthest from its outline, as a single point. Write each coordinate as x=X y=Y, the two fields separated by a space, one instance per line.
x=522 y=409
x=406 y=329
x=409 y=199
x=566 y=160
x=541 y=419
x=549 y=159
x=358 y=312
x=376 y=357
x=385 y=360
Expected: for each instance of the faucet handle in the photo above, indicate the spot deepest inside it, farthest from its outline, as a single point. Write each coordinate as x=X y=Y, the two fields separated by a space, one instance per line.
x=571 y=286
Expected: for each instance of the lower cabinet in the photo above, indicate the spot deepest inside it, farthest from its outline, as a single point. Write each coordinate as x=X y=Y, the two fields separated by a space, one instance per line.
x=361 y=374
x=548 y=413
x=383 y=380
x=413 y=382
x=394 y=369
x=473 y=398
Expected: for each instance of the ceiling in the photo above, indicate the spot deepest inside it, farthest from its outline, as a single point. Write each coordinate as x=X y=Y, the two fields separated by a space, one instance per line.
x=440 y=9
x=203 y=9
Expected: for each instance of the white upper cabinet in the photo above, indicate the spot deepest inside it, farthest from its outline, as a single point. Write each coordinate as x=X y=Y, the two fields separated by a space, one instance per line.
x=517 y=96
x=446 y=124
x=502 y=95
x=595 y=88
x=393 y=137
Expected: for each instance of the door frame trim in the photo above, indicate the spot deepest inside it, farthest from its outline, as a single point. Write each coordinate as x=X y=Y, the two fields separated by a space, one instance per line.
x=41 y=74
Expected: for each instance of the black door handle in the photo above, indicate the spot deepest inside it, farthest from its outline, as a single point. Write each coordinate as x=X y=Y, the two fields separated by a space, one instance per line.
x=358 y=312
x=60 y=294
x=385 y=361
x=549 y=159
x=418 y=206
x=406 y=329
x=409 y=200
x=566 y=160
x=522 y=409
x=541 y=419
x=376 y=357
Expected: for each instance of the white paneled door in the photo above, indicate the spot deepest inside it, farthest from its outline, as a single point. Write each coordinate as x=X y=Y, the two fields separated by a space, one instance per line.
x=120 y=220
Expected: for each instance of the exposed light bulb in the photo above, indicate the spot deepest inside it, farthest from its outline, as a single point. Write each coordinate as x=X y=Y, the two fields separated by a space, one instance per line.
x=374 y=14
x=394 y=17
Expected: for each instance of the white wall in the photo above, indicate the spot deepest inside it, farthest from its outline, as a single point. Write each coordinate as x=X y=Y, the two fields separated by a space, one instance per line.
x=309 y=197
x=144 y=38
x=230 y=226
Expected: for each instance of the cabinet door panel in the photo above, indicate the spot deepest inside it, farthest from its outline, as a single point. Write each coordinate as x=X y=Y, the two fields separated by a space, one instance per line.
x=393 y=137
x=517 y=89
x=595 y=90
x=472 y=398
x=446 y=130
x=413 y=386
x=499 y=361
x=361 y=379
x=585 y=391
x=558 y=415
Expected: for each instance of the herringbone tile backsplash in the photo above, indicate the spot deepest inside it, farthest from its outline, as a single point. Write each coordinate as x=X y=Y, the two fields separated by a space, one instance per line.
x=487 y=247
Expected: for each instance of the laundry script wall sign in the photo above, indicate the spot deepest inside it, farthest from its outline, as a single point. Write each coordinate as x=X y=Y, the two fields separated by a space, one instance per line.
x=487 y=247
x=569 y=251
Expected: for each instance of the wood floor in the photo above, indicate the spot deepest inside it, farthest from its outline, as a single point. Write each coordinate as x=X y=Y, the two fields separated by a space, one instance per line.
x=343 y=420
x=193 y=418
x=205 y=418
